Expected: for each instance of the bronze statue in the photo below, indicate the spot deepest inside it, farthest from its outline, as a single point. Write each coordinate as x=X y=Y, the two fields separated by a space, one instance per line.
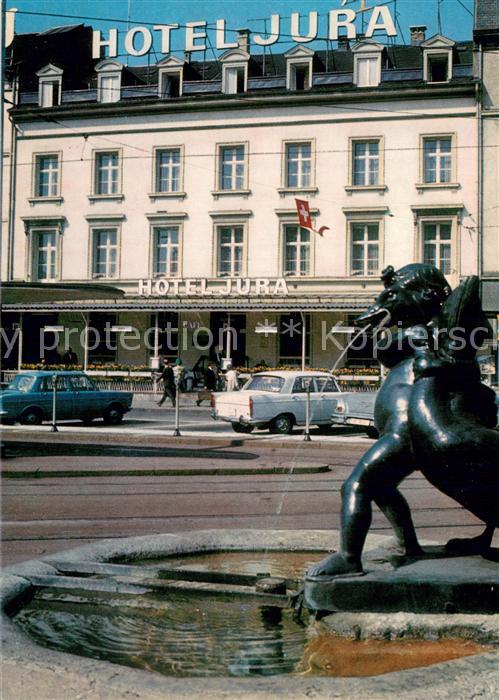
x=432 y=388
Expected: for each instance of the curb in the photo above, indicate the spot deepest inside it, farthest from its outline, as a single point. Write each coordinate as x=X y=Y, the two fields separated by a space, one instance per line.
x=217 y=471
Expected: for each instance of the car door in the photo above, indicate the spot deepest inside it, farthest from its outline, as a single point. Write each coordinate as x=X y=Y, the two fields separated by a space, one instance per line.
x=88 y=401
x=299 y=397
x=327 y=392
x=64 y=396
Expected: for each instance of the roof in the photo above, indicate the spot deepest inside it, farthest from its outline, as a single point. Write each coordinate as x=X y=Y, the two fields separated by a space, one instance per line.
x=486 y=15
x=291 y=373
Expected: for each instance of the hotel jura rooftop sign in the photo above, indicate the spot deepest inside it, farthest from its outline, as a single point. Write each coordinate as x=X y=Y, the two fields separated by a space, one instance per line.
x=138 y=41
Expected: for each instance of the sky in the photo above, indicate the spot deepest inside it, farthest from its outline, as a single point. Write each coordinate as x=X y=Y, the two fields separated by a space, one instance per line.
x=456 y=19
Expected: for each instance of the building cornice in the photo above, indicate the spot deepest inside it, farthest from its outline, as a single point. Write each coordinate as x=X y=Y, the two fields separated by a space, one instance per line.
x=244 y=102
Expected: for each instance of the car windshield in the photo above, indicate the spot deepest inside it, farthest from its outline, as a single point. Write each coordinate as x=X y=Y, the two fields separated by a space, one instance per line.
x=23 y=382
x=265 y=382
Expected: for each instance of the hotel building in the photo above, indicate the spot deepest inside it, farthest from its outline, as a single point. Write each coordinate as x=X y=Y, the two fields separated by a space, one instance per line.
x=175 y=182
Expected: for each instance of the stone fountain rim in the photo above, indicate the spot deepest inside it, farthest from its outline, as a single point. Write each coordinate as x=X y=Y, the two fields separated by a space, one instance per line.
x=51 y=674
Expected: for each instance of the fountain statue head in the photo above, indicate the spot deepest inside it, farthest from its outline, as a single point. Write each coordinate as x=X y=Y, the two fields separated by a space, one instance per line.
x=412 y=295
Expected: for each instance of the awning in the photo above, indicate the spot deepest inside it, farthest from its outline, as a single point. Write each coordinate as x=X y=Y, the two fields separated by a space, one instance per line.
x=21 y=294
x=332 y=303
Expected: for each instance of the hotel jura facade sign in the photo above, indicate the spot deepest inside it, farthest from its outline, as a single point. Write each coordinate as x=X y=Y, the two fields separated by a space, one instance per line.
x=227 y=287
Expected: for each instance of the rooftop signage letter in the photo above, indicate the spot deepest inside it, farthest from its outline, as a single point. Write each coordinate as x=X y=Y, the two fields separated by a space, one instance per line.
x=139 y=41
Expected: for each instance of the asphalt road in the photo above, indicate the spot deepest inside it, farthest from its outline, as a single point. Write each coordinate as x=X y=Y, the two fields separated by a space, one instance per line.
x=46 y=515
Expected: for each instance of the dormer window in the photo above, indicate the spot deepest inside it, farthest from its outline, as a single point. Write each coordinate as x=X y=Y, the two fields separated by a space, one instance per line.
x=367 y=64
x=170 y=77
x=437 y=59
x=299 y=68
x=234 y=71
x=49 y=86
x=108 y=81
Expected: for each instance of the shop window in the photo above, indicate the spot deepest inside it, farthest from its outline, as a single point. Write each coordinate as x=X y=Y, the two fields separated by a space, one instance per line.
x=365 y=163
x=230 y=251
x=298 y=167
x=361 y=352
x=105 y=252
x=46 y=175
x=107 y=173
x=290 y=339
x=166 y=251
x=168 y=333
x=437 y=245
x=296 y=250
x=102 y=346
x=365 y=248
x=168 y=170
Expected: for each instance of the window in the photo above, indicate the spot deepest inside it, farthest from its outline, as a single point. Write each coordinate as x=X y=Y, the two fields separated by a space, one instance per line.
x=170 y=84
x=232 y=168
x=105 y=252
x=230 y=251
x=437 y=159
x=166 y=250
x=49 y=93
x=438 y=68
x=299 y=62
x=108 y=81
x=235 y=80
x=44 y=255
x=46 y=175
x=168 y=330
x=290 y=339
x=296 y=250
x=82 y=383
x=298 y=172
x=437 y=245
x=367 y=63
x=107 y=173
x=361 y=352
x=300 y=77
x=168 y=170
x=367 y=72
x=365 y=163
x=364 y=248
x=102 y=345
x=49 y=86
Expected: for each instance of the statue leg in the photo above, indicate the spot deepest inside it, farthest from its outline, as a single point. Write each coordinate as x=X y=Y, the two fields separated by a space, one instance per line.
x=396 y=509
x=472 y=545
x=375 y=478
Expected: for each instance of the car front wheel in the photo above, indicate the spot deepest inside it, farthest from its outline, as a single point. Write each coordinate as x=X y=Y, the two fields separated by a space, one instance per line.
x=240 y=428
x=31 y=416
x=282 y=424
x=113 y=415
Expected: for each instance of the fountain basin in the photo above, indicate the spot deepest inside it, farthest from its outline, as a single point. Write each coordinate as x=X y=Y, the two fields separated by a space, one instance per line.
x=32 y=671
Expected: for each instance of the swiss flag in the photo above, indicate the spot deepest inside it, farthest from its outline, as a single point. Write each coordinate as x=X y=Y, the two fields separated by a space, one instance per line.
x=303 y=209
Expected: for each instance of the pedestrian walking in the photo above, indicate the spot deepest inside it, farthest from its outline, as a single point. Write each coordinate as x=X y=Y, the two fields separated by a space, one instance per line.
x=231 y=377
x=210 y=383
x=178 y=373
x=169 y=388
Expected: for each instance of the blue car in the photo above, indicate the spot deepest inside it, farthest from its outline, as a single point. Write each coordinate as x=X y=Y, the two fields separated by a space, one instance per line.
x=28 y=399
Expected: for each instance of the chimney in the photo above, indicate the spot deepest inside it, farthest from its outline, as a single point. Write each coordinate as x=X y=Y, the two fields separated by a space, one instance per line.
x=187 y=56
x=418 y=34
x=243 y=39
x=343 y=43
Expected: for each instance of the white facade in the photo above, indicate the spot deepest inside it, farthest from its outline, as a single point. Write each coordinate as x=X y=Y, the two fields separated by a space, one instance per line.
x=130 y=195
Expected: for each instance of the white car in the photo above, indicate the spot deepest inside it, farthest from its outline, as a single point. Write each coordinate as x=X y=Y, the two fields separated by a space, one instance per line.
x=277 y=401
